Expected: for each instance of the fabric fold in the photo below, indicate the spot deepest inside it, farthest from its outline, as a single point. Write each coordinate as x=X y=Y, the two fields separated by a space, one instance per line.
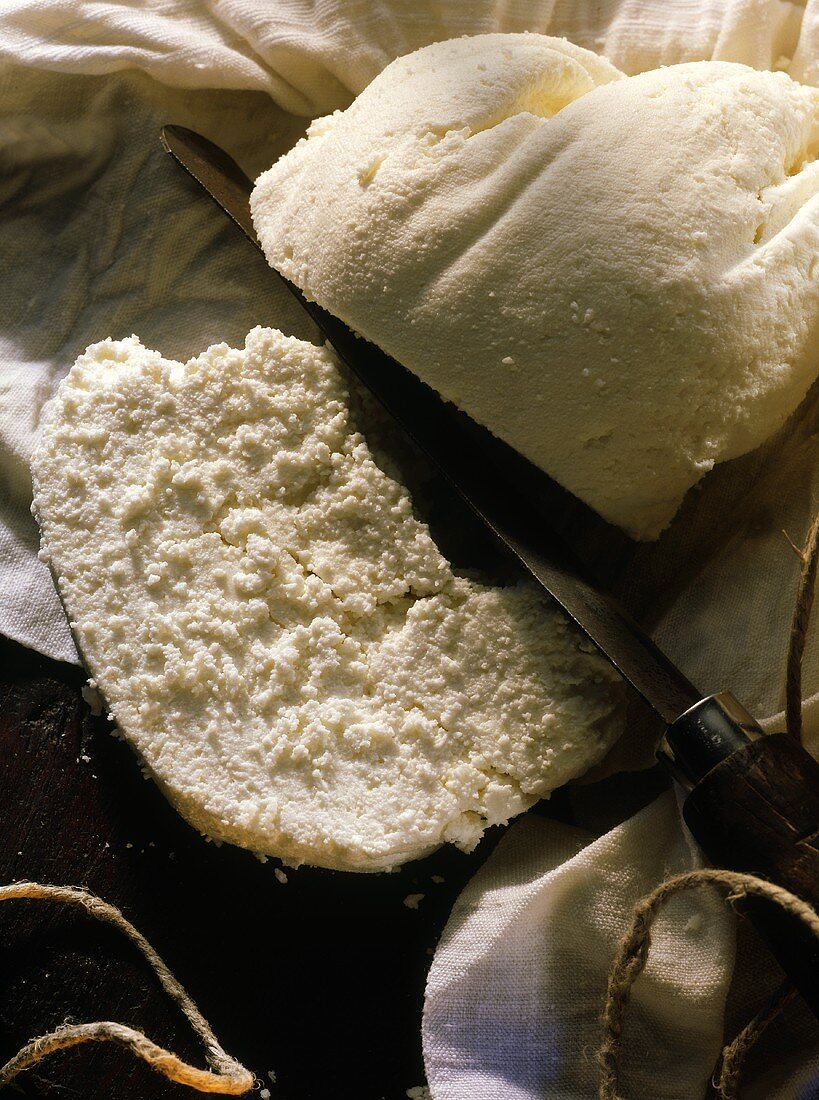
x=103 y=237
x=515 y=989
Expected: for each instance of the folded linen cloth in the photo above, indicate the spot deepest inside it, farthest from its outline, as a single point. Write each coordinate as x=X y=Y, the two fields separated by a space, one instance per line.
x=517 y=982
x=512 y=1007
x=100 y=238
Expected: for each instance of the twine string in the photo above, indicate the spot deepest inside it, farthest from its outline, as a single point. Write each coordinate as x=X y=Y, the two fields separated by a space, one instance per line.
x=632 y=953
x=226 y=1076
x=809 y=557
x=733 y=1058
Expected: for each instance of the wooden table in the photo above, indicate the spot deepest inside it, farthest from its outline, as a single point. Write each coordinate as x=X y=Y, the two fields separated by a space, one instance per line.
x=319 y=980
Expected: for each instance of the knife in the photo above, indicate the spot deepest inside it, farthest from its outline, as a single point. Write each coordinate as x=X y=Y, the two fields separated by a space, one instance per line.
x=751 y=799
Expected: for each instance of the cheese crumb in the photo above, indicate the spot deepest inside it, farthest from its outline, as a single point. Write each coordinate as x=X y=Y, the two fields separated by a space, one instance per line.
x=93 y=698
x=412 y=901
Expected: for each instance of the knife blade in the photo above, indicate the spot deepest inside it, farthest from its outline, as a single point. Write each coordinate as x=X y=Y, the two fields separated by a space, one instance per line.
x=753 y=801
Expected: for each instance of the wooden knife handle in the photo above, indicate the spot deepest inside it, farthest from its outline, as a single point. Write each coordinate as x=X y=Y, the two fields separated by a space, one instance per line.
x=758 y=811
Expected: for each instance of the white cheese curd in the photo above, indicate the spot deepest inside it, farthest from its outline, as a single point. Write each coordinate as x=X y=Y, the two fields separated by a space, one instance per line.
x=617 y=275
x=274 y=630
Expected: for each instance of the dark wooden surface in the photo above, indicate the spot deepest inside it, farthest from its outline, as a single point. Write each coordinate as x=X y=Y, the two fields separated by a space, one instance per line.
x=320 y=980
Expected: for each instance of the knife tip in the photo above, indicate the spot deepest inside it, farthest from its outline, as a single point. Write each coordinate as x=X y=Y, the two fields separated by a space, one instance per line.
x=170 y=134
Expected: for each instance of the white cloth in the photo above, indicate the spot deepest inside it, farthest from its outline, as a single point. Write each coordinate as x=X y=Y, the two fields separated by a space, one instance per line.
x=534 y=1029
x=103 y=236
x=517 y=982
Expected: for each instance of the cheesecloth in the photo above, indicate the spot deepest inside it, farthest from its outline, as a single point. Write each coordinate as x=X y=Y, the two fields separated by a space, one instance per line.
x=100 y=239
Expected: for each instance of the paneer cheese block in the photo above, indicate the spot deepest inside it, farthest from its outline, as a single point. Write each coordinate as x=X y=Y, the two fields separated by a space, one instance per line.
x=617 y=275
x=273 y=629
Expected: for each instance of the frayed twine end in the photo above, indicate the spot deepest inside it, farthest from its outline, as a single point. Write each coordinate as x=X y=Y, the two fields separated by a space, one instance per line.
x=226 y=1076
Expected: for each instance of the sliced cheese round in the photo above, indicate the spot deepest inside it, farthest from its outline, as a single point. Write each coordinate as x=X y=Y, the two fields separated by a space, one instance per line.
x=273 y=629
x=618 y=276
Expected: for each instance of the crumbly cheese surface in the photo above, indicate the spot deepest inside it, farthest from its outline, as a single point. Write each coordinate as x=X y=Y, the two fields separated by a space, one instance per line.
x=619 y=276
x=275 y=631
